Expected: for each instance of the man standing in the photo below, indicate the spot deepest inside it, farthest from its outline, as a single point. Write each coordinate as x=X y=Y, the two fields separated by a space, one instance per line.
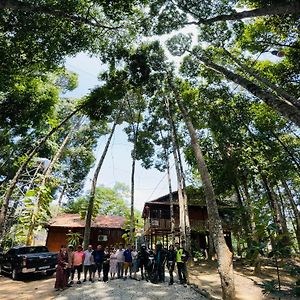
x=171 y=259
x=98 y=259
x=120 y=261
x=160 y=257
x=144 y=259
x=77 y=263
x=127 y=261
x=182 y=257
x=88 y=263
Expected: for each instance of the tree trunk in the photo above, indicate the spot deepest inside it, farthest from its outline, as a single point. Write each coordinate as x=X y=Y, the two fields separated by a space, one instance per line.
x=278 y=90
x=294 y=209
x=287 y=150
x=21 y=6
x=39 y=198
x=245 y=217
x=277 y=10
x=187 y=227
x=178 y=173
x=224 y=255
x=132 y=227
x=89 y=213
x=30 y=154
x=284 y=107
x=172 y=217
x=272 y=204
x=62 y=194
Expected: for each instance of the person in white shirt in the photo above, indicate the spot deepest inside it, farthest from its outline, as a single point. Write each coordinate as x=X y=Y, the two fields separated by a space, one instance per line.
x=135 y=265
x=88 y=263
x=120 y=261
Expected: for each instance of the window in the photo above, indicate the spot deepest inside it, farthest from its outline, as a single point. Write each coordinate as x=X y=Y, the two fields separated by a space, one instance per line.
x=102 y=238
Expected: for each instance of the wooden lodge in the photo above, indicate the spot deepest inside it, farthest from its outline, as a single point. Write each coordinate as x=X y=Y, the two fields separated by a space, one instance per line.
x=105 y=230
x=157 y=224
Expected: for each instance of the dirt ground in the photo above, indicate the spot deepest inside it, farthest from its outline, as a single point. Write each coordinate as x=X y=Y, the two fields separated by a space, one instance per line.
x=204 y=275
x=248 y=287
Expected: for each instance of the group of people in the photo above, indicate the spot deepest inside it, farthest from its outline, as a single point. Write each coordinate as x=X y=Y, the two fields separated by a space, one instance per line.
x=119 y=263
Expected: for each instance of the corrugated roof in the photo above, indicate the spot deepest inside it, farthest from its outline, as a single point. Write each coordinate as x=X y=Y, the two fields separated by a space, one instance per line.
x=74 y=220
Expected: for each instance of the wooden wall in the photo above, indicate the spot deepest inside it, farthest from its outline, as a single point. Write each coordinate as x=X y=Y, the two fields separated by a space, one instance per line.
x=57 y=236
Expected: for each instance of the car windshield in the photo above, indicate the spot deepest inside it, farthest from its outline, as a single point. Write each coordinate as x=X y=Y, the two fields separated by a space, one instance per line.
x=30 y=250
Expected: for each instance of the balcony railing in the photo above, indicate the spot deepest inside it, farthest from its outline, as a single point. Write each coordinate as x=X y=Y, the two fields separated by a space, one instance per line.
x=165 y=224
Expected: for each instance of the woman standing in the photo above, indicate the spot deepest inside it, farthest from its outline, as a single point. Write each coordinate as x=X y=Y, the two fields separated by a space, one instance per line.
x=135 y=264
x=113 y=264
x=62 y=263
x=106 y=258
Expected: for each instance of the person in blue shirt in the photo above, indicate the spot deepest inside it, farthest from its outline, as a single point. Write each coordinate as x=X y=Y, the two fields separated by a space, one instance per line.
x=98 y=255
x=128 y=261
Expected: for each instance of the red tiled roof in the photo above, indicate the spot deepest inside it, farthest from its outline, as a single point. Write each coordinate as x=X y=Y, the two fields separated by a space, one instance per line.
x=74 y=220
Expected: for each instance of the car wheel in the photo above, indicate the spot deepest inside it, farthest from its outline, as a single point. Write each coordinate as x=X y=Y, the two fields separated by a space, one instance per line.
x=14 y=274
x=50 y=273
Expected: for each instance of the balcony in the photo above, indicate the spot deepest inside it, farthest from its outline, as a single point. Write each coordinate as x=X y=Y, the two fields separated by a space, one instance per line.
x=152 y=224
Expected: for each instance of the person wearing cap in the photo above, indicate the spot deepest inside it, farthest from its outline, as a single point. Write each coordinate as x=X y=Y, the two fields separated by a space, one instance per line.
x=77 y=263
x=143 y=260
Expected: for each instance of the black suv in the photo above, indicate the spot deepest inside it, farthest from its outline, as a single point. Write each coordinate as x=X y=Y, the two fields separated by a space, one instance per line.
x=29 y=259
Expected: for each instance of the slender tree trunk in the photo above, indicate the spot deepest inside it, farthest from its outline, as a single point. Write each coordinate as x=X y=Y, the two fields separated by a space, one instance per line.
x=245 y=189
x=278 y=90
x=281 y=206
x=294 y=209
x=272 y=204
x=132 y=227
x=287 y=150
x=224 y=255
x=245 y=217
x=22 y=6
x=62 y=194
x=30 y=154
x=282 y=9
x=172 y=218
x=284 y=107
x=178 y=173
x=281 y=217
x=89 y=213
x=39 y=197
x=135 y=130
x=187 y=227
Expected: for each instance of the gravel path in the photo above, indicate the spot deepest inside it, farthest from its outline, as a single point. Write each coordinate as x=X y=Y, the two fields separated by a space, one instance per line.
x=119 y=289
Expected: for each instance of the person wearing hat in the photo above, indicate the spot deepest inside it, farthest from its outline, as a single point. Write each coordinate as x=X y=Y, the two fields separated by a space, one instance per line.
x=143 y=258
